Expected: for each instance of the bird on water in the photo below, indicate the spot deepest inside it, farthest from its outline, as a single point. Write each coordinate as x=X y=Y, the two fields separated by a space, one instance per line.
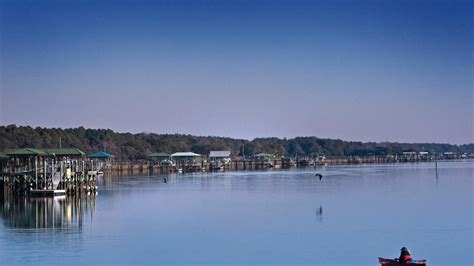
x=319 y=175
x=164 y=180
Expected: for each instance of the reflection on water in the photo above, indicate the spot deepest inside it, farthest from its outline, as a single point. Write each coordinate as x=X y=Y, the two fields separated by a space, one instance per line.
x=319 y=213
x=46 y=212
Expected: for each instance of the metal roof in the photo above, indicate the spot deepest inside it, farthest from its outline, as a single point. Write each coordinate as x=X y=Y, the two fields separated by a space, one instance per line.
x=44 y=152
x=65 y=152
x=25 y=152
x=185 y=154
x=263 y=155
x=219 y=154
x=100 y=154
x=159 y=154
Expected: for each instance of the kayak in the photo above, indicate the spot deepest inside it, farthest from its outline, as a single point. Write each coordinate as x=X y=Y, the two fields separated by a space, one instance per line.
x=395 y=262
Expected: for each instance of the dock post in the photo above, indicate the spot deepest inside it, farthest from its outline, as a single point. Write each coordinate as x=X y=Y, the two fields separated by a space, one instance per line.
x=36 y=173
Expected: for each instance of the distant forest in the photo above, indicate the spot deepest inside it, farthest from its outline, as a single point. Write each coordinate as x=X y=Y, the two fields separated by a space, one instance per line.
x=127 y=146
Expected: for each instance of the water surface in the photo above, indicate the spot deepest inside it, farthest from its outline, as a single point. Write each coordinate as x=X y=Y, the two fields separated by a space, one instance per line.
x=350 y=217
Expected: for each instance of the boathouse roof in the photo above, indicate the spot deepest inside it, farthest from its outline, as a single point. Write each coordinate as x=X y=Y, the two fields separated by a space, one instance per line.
x=65 y=152
x=25 y=152
x=219 y=154
x=262 y=154
x=44 y=152
x=100 y=155
x=185 y=154
x=159 y=154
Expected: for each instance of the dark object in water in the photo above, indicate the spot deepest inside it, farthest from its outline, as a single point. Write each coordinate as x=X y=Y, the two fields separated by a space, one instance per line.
x=320 y=176
x=164 y=180
x=319 y=211
x=395 y=262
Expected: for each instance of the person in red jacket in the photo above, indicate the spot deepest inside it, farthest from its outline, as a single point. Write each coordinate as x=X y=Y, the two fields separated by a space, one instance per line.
x=405 y=256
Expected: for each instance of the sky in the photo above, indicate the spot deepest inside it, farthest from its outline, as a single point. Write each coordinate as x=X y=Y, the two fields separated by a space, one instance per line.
x=355 y=70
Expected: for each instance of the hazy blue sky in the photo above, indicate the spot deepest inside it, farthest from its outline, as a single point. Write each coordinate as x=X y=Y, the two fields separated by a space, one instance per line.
x=356 y=70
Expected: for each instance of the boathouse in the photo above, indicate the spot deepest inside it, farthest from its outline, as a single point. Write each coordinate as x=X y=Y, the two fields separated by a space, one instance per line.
x=30 y=169
x=24 y=160
x=100 y=155
x=159 y=157
x=100 y=160
x=263 y=156
x=219 y=156
x=67 y=160
x=40 y=161
x=187 y=158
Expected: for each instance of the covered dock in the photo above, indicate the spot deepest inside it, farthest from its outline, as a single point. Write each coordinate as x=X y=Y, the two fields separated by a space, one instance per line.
x=187 y=160
x=27 y=169
x=159 y=156
x=101 y=162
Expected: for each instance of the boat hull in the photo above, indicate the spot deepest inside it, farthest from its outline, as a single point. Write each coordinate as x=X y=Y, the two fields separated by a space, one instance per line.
x=391 y=262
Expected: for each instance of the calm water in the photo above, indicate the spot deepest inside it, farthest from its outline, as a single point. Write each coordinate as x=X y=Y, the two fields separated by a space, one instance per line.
x=351 y=217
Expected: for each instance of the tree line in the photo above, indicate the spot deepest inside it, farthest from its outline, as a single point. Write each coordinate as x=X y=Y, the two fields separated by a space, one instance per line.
x=127 y=146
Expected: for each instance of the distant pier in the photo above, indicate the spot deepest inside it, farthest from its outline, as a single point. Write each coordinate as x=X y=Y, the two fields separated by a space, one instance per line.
x=242 y=164
x=42 y=171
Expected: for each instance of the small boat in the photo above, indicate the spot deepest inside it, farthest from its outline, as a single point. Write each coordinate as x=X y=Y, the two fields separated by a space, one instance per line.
x=395 y=262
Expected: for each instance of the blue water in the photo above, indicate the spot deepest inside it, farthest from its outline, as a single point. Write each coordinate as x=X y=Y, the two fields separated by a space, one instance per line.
x=354 y=215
